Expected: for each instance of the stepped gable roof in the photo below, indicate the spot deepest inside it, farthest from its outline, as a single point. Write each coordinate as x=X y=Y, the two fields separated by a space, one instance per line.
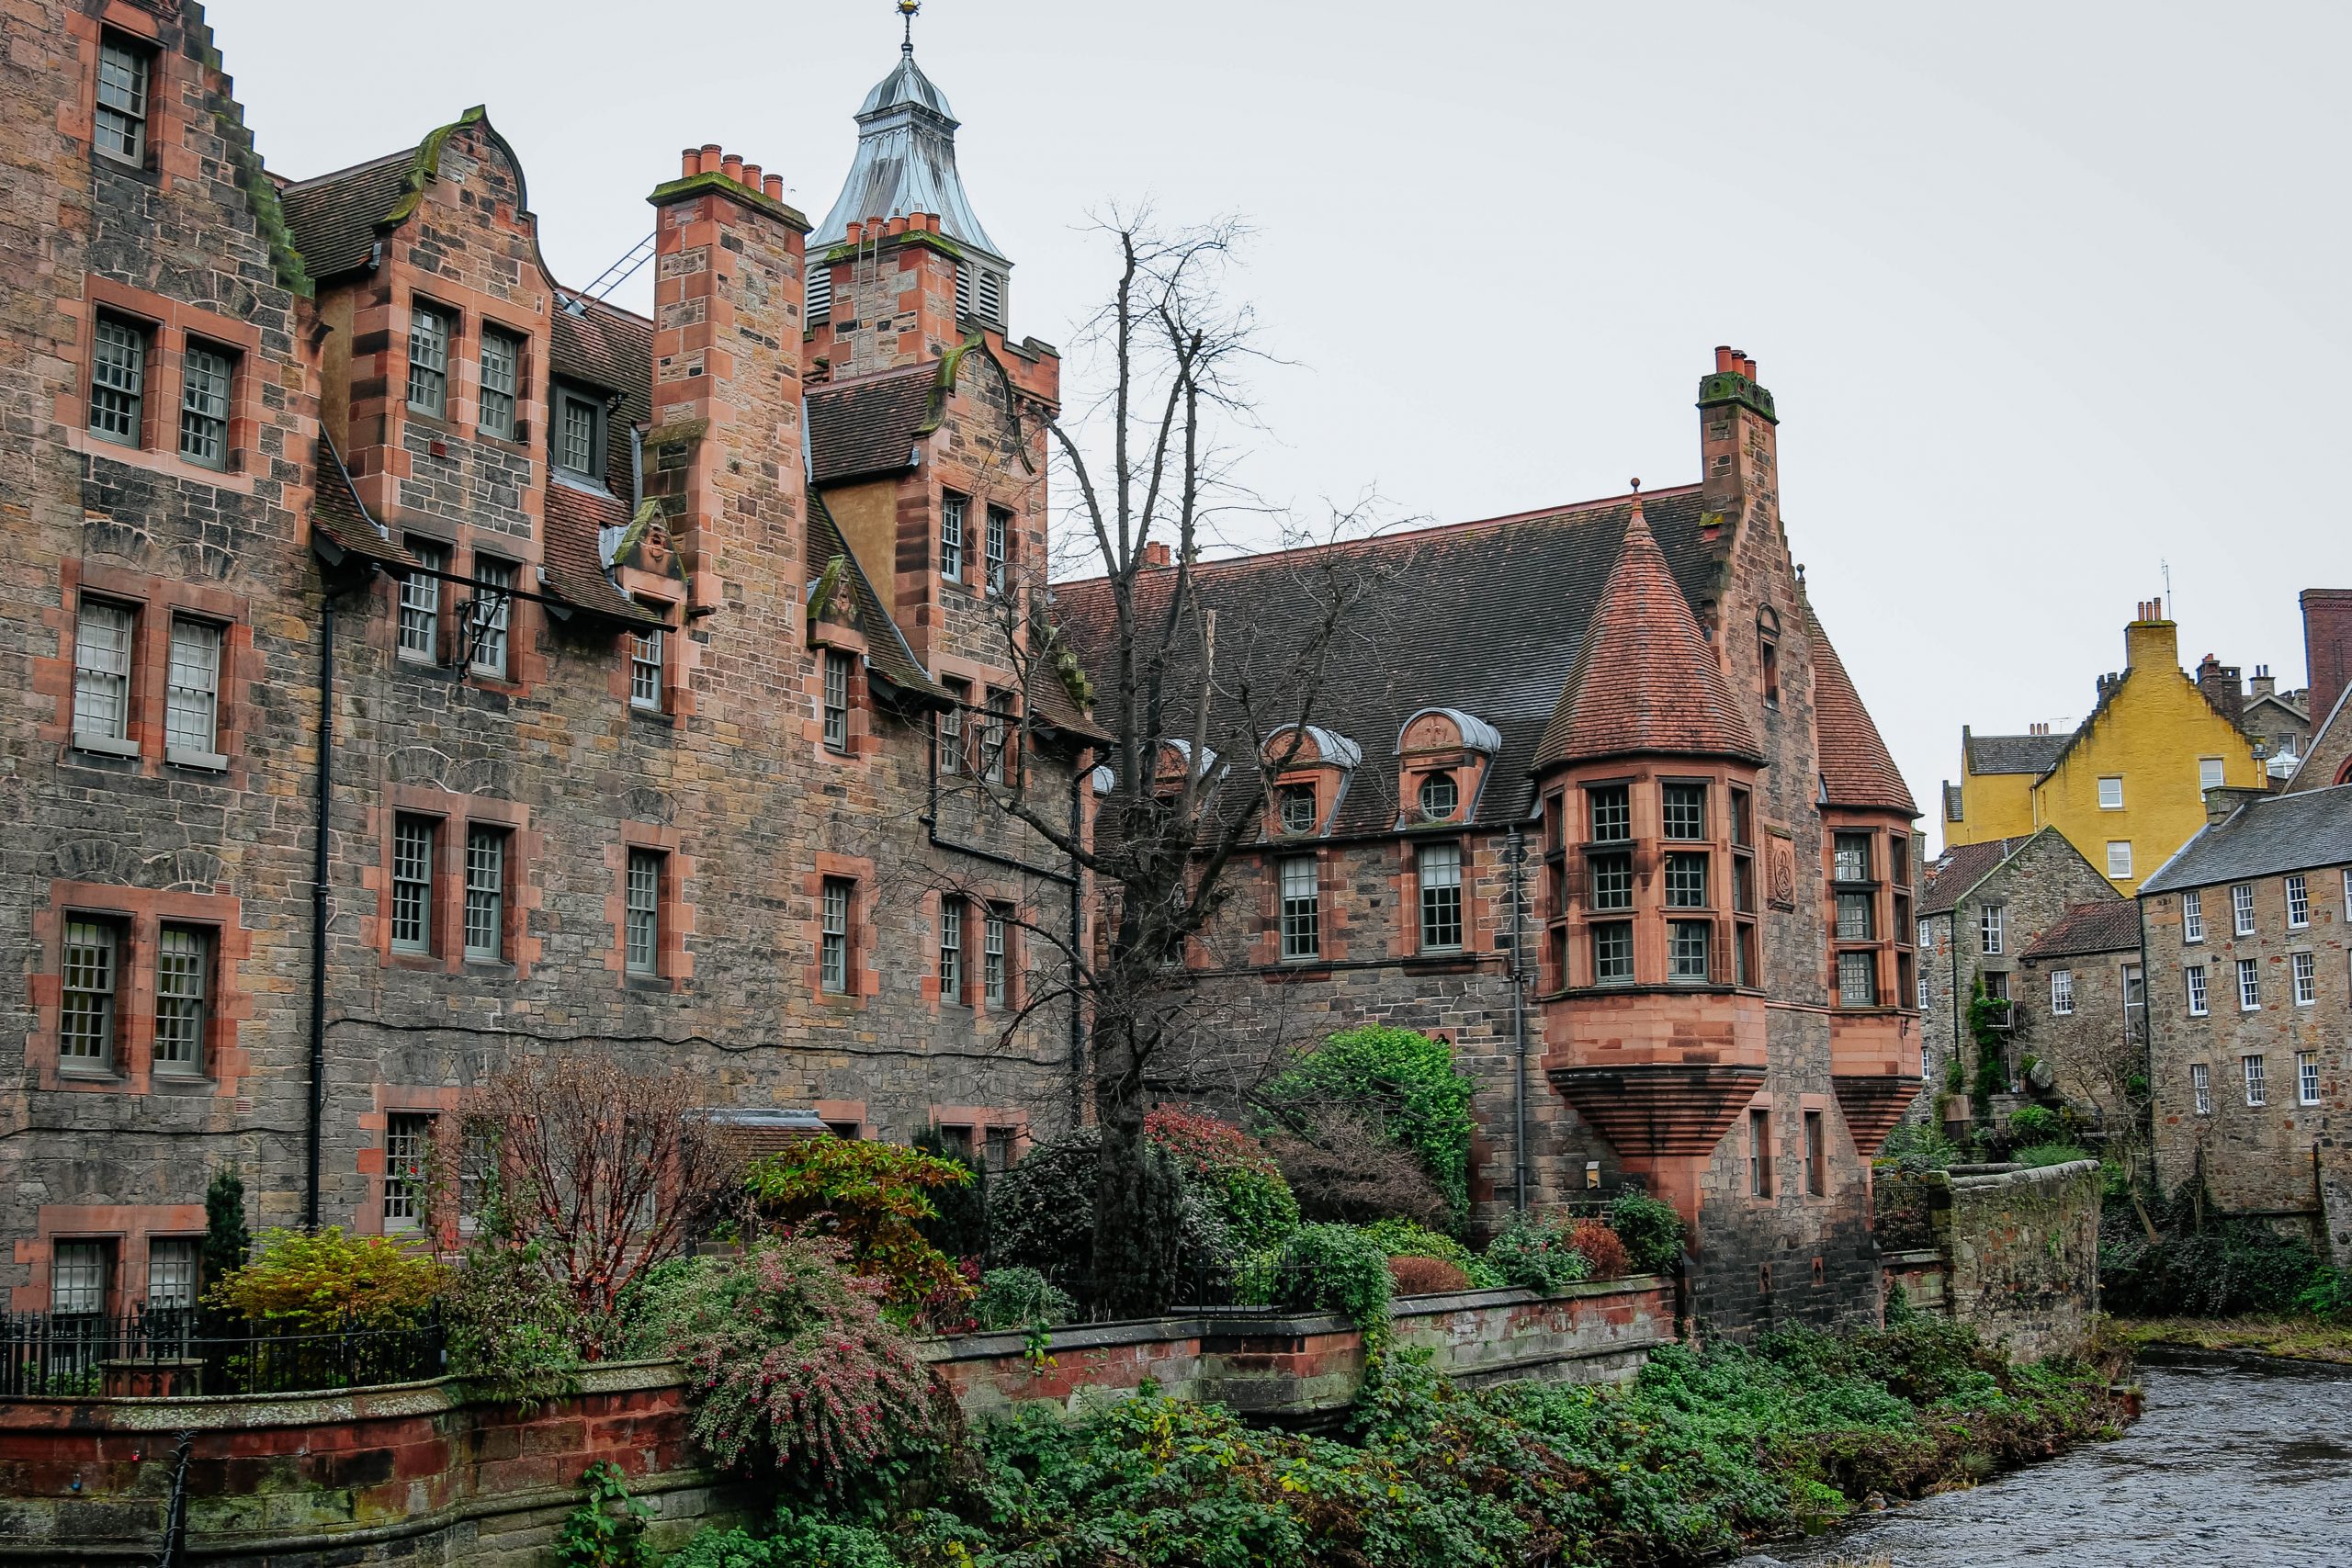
x=1646 y=681
x=1485 y=616
x=1957 y=872
x=887 y=652
x=905 y=163
x=1854 y=758
x=2104 y=925
x=2035 y=754
x=337 y=218
x=870 y=425
x=2267 y=835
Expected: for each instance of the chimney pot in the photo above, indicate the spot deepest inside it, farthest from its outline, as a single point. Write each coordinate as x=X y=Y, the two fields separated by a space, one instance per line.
x=751 y=176
x=1725 y=360
x=690 y=162
x=772 y=187
x=710 y=158
x=1156 y=554
x=897 y=227
x=1747 y=368
x=732 y=165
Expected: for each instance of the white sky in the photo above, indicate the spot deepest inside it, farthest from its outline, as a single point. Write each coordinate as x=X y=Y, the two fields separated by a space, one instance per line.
x=2046 y=294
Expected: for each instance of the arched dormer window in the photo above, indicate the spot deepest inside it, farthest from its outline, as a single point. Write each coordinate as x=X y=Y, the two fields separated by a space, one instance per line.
x=1312 y=766
x=1441 y=755
x=1768 y=655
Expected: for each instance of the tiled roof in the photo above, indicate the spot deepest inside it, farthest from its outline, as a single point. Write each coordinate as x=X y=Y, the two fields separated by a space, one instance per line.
x=1487 y=617
x=606 y=346
x=336 y=218
x=342 y=518
x=2267 y=835
x=572 y=557
x=2034 y=754
x=1646 y=681
x=887 y=652
x=1960 y=869
x=869 y=425
x=2107 y=925
x=1854 y=760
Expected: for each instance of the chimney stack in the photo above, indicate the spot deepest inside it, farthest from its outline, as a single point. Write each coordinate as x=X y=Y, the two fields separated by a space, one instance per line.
x=1156 y=554
x=2261 y=684
x=2327 y=648
x=2220 y=685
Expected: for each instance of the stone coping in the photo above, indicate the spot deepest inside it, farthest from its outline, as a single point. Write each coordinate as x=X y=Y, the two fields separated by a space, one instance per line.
x=215 y=1412
x=1257 y=1322
x=2022 y=1176
x=1921 y=1256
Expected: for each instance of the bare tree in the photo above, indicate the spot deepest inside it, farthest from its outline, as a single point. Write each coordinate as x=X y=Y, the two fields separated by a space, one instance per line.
x=1202 y=717
x=603 y=1170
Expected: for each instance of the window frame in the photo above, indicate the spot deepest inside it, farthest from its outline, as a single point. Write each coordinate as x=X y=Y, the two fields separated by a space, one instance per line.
x=2105 y=802
x=995 y=953
x=190 y=1020
x=1668 y=790
x=486 y=891
x=1298 y=908
x=648 y=667
x=123 y=637
x=198 y=705
x=220 y=422
x=2306 y=1077
x=1613 y=801
x=2199 y=997
x=424 y=888
x=432 y=334
x=419 y=603
x=948 y=728
x=2192 y=918
x=954 y=525
x=644 y=872
x=1289 y=795
x=833 y=700
x=1851 y=857
x=174 y=1272
x=2255 y=1072
x=2061 y=993
x=1611 y=966
x=2249 y=985
x=952 y=978
x=2200 y=1088
x=2298 y=901
x=566 y=397
x=2221 y=773
x=836 y=898
x=106 y=1010
x=99 y=1276
x=2242 y=909
x=408 y=1145
x=1861 y=961
x=139 y=114
x=2115 y=872
x=2303 y=971
x=1438 y=797
x=996 y=549
x=1759 y=1152
x=489 y=615
x=1677 y=954
x=1685 y=873
x=1816 y=1155
x=1439 y=900
x=509 y=396
x=133 y=373
x=1992 y=929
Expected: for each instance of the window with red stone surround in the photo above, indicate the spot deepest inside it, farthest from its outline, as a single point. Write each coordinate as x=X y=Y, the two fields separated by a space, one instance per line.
x=1611 y=868
x=983 y=1130
x=163 y=142
x=127 y=1231
x=152 y=604
x=451 y=816
x=863 y=978
x=135 y=920
x=1867 y=866
x=168 y=328
x=377 y=1128
x=673 y=917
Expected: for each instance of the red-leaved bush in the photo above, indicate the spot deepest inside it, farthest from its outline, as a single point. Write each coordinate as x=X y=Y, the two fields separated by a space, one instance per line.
x=1426 y=1276
x=1601 y=1250
x=792 y=1365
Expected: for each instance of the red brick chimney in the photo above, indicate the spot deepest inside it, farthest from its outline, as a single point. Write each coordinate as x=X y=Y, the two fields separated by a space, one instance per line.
x=1156 y=554
x=2221 y=687
x=2327 y=648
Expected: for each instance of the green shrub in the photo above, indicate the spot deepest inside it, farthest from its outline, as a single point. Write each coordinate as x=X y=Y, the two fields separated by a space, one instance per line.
x=1916 y=1148
x=795 y=1539
x=961 y=1227
x=1407 y=1083
x=1651 y=1229
x=2208 y=1267
x=2327 y=1295
x=1537 y=1257
x=1041 y=1213
x=1233 y=1175
x=319 y=1280
x=1326 y=1268
x=794 y=1372
x=607 y=1530
x=2049 y=1153
x=227 y=1243
x=1019 y=1298
x=1403 y=1238
x=2035 y=1124
x=874 y=1197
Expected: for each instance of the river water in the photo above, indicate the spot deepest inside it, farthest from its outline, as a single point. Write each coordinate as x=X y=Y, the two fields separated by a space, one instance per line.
x=2239 y=1462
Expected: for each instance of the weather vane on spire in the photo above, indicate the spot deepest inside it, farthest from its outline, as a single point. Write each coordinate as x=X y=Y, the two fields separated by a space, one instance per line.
x=907 y=8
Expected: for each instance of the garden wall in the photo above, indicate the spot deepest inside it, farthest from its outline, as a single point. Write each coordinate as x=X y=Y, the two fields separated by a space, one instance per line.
x=404 y=1473
x=1297 y=1368
x=2011 y=1251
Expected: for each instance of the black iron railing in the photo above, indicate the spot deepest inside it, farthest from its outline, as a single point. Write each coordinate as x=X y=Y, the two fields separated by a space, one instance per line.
x=177 y=1351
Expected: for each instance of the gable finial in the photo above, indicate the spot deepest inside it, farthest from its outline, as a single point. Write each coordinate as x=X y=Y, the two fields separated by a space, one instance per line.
x=906 y=9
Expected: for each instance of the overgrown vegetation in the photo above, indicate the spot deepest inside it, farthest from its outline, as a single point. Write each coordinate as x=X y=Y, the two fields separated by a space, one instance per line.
x=318 y=1282
x=875 y=1198
x=1703 y=1451
x=1233 y=1174
x=1537 y=1256
x=1651 y=1229
x=1402 y=1083
x=2200 y=1263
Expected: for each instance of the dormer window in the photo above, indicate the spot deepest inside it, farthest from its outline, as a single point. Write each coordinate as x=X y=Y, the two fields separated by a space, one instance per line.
x=1440 y=797
x=124 y=71
x=580 y=432
x=1296 y=809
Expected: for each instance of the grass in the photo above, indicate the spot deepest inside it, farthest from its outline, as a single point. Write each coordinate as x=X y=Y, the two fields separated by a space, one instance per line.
x=2294 y=1336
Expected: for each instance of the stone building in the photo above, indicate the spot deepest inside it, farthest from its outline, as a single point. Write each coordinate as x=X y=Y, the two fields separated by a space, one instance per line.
x=2080 y=1010
x=1616 y=731
x=2126 y=785
x=1983 y=909
x=422 y=663
x=425 y=665
x=2249 y=963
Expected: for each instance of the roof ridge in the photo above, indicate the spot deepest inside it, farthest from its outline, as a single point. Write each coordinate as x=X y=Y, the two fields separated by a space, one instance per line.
x=398 y=153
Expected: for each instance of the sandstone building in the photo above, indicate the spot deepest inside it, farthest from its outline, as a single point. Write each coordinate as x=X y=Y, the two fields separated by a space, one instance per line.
x=423 y=663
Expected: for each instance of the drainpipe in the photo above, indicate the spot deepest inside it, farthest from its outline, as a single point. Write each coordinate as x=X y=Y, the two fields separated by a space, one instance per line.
x=1516 y=854
x=1079 y=780
x=320 y=912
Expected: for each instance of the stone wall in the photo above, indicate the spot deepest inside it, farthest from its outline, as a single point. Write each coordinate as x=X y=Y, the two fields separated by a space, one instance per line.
x=407 y=1474
x=1302 y=1367
x=2012 y=1252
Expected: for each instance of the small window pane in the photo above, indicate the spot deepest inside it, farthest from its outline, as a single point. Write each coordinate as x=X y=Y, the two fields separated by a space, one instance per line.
x=86 y=1014
x=2110 y=795
x=834 y=940
x=428 y=360
x=172 y=1273
x=493 y=600
x=1440 y=883
x=122 y=120
x=183 y=964
x=950 y=537
x=1302 y=935
x=117 y=379
x=192 y=697
x=407 y=1140
x=951 y=950
x=1613 y=882
x=2249 y=985
x=204 y=406
x=2061 y=991
x=1612 y=952
x=102 y=671
x=646 y=653
x=997 y=548
x=2192 y=916
x=1685 y=882
x=1855 y=911
x=2195 y=977
x=2307 y=1077
x=1613 y=816
x=502 y=360
x=992 y=956
x=2209 y=772
x=2200 y=1081
x=77 y=1277
x=2257 y=1092
x=1687 y=950
x=2118 y=857
x=1858 y=979
x=420 y=629
x=485 y=893
x=1853 y=857
x=2306 y=979
x=836 y=701
x=1686 y=811
x=2242 y=909
x=576 y=434
x=1989 y=922
x=413 y=884
x=2298 y=901
x=644 y=899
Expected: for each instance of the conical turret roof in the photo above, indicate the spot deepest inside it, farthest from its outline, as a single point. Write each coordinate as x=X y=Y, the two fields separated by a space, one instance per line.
x=1856 y=767
x=1646 y=680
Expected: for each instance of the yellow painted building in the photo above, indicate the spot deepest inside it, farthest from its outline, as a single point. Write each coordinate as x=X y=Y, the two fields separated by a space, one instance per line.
x=2127 y=787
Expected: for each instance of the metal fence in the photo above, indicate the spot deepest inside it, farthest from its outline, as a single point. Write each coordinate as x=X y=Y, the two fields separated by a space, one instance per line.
x=184 y=1351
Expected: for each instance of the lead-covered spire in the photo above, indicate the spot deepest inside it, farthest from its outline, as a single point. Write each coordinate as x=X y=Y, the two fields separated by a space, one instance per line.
x=906 y=163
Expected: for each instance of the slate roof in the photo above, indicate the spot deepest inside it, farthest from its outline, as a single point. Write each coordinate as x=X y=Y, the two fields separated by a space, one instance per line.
x=335 y=217
x=1958 y=869
x=606 y=346
x=2265 y=837
x=2035 y=754
x=338 y=514
x=2106 y=925
x=887 y=652
x=1854 y=760
x=1646 y=681
x=571 y=558
x=857 y=429
x=1489 y=618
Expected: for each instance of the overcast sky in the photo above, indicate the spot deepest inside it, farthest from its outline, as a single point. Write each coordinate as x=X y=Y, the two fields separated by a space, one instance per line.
x=2048 y=295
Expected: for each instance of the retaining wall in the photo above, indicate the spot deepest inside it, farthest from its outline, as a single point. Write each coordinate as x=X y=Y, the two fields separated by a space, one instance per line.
x=2013 y=1253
